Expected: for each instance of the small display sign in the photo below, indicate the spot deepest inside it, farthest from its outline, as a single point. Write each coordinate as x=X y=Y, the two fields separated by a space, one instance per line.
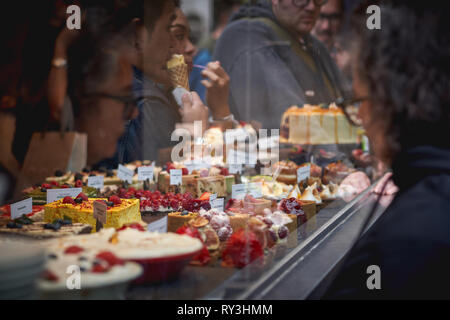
x=217 y=204
x=238 y=191
x=22 y=207
x=58 y=194
x=176 y=177
x=158 y=226
x=125 y=174
x=96 y=182
x=100 y=211
x=303 y=173
x=145 y=173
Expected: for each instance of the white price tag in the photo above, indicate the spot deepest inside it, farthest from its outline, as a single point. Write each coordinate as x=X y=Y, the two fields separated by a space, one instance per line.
x=20 y=208
x=125 y=174
x=235 y=168
x=238 y=191
x=176 y=177
x=158 y=226
x=303 y=173
x=213 y=197
x=96 y=182
x=145 y=173
x=255 y=189
x=58 y=194
x=217 y=204
x=100 y=211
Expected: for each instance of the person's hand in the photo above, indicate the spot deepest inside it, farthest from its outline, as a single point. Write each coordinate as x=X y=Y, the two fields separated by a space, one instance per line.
x=217 y=89
x=194 y=109
x=359 y=181
x=390 y=188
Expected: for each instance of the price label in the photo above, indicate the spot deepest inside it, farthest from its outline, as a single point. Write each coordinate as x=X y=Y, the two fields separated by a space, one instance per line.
x=96 y=182
x=145 y=173
x=255 y=189
x=235 y=168
x=176 y=177
x=159 y=226
x=238 y=191
x=22 y=207
x=125 y=174
x=217 y=204
x=212 y=198
x=58 y=194
x=303 y=173
x=100 y=211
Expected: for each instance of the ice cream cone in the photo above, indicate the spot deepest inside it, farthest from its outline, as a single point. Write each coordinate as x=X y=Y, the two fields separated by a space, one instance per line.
x=178 y=71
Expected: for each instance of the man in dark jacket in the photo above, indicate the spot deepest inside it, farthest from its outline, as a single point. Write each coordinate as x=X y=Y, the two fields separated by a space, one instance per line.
x=274 y=62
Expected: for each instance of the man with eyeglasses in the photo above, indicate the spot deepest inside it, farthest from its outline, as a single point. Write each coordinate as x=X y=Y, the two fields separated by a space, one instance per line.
x=329 y=23
x=274 y=62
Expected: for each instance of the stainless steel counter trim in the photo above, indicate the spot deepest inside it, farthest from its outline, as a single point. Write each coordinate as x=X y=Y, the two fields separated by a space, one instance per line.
x=253 y=288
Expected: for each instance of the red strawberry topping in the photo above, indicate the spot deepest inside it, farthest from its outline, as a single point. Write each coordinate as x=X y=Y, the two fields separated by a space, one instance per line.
x=242 y=248
x=224 y=172
x=99 y=268
x=109 y=257
x=68 y=200
x=133 y=225
x=170 y=166
x=115 y=199
x=192 y=232
x=78 y=184
x=203 y=257
x=73 y=250
x=292 y=206
x=83 y=196
x=49 y=276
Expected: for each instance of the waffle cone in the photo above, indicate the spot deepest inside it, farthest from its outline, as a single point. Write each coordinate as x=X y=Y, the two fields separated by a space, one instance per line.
x=179 y=76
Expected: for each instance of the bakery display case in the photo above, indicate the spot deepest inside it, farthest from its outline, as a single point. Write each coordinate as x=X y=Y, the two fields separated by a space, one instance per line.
x=205 y=228
x=292 y=272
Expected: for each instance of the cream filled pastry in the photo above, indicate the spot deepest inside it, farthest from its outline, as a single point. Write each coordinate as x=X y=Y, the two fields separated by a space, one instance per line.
x=311 y=194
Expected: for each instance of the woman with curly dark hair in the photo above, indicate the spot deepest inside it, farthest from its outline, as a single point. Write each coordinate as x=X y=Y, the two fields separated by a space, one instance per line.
x=402 y=78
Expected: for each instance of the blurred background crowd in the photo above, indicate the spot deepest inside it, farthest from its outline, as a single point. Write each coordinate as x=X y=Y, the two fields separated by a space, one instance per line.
x=34 y=85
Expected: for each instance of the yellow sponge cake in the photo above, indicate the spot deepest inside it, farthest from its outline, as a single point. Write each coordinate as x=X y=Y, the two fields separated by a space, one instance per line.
x=119 y=211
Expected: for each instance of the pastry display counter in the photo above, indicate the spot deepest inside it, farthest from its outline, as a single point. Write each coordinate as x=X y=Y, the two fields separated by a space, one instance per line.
x=296 y=273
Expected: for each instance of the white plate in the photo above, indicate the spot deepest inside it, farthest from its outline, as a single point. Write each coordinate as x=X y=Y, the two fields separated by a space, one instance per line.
x=127 y=273
x=105 y=287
